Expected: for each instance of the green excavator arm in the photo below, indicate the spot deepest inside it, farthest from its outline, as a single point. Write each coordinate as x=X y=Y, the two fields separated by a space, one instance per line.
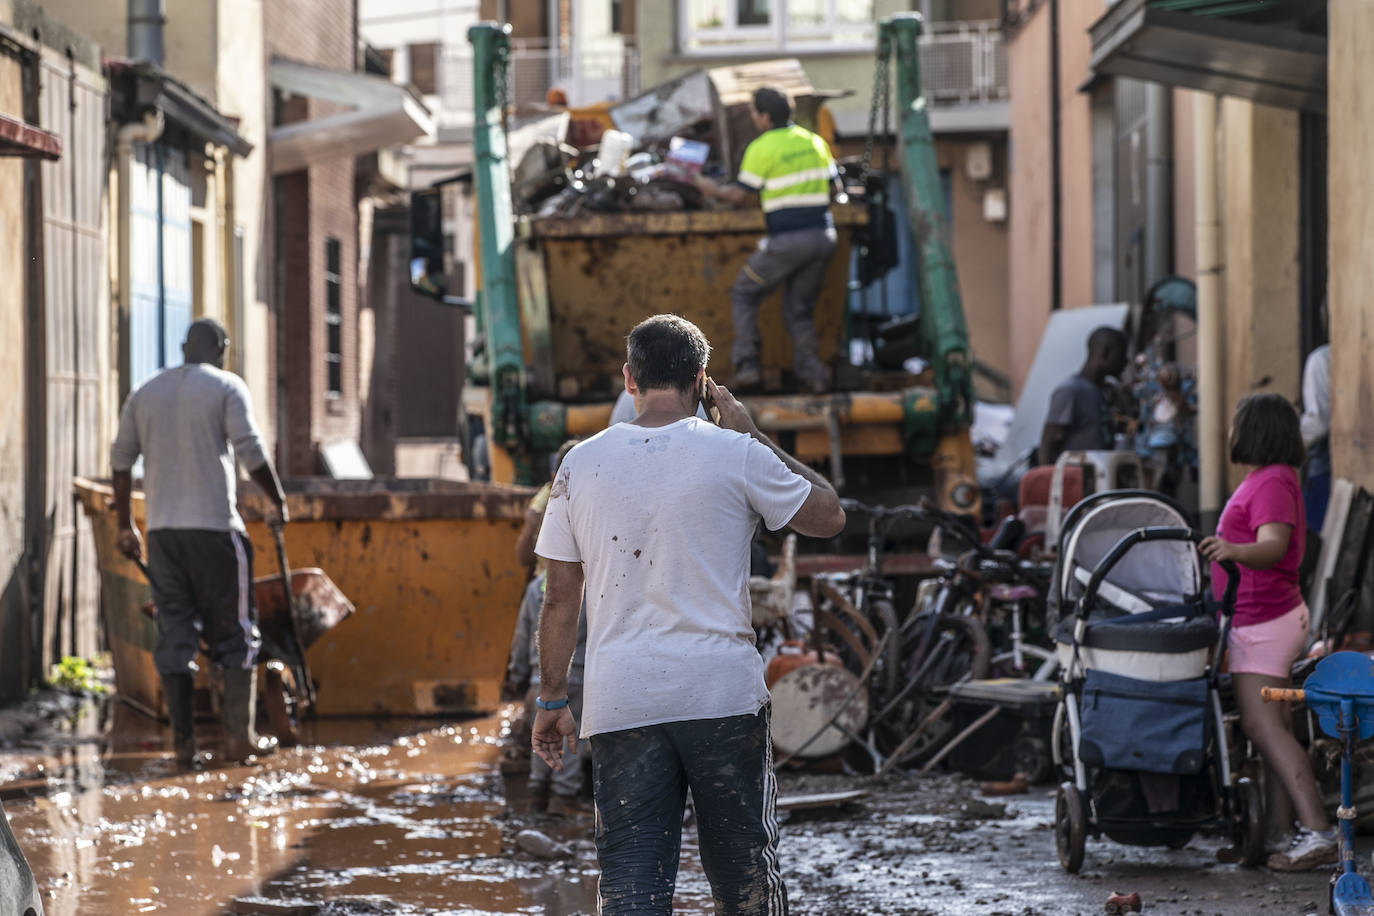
x=498 y=306
x=942 y=309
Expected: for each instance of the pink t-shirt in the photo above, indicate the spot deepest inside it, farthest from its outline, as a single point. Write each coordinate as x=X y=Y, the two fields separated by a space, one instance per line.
x=1267 y=494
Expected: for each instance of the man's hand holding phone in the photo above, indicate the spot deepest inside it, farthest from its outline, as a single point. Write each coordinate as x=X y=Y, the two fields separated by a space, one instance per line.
x=725 y=410
x=707 y=404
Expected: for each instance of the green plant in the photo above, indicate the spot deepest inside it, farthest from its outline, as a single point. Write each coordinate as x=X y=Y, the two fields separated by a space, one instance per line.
x=78 y=675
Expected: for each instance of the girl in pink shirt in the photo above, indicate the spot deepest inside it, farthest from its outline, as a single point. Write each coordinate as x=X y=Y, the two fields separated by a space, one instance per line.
x=1262 y=530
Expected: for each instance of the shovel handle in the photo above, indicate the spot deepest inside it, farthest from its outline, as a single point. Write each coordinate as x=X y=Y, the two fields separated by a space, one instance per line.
x=1280 y=694
x=280 y=541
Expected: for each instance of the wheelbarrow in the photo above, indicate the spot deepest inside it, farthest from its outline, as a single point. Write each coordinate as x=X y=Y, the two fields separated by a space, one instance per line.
x=295 y=608
x=1340 y=691
x=18 y=891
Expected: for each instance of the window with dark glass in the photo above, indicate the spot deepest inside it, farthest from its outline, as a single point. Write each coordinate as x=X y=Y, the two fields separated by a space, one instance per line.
x=333 y=319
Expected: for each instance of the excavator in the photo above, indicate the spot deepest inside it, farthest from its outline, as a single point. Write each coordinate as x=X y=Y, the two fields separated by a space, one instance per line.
x=556 y=296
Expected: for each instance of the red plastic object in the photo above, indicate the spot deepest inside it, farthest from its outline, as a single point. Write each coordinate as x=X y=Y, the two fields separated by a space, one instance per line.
x=1034 y=489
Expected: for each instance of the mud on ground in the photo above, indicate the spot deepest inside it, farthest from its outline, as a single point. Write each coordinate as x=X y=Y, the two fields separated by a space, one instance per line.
x=403 y=817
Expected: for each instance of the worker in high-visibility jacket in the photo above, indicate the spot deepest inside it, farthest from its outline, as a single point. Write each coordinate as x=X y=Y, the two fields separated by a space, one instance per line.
x=790 y=172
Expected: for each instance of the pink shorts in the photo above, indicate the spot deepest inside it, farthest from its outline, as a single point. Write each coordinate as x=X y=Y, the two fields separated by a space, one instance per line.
x=1270 y=647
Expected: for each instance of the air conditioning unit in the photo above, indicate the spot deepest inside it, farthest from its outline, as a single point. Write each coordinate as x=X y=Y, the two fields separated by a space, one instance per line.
x=978 y=161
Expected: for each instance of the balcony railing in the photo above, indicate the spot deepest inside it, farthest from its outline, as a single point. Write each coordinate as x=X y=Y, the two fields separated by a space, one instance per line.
x=596 y=74
x=962 y=63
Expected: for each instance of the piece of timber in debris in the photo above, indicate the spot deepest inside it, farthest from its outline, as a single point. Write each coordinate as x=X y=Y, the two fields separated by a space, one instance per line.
x=820 y=800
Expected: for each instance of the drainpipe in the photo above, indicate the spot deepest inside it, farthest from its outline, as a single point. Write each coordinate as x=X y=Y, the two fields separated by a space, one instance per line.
x=145 y=131
x=230 y=279
x=1211 y=357
x=146 y=18
x=1056 y=169
x=1159 y=221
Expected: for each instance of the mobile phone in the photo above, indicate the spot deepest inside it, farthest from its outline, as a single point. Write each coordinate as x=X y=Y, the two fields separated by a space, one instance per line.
x=712 y=411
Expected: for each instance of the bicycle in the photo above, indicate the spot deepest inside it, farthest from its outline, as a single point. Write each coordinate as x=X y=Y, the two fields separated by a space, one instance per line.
x=909 y=662
x=991 y=583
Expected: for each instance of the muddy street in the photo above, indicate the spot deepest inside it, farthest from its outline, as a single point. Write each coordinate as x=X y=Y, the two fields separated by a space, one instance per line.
x=402 y=817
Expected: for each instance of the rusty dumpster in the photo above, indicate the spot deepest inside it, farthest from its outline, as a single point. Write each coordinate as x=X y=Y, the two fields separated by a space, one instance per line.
x=585 y=282
x=428 y=564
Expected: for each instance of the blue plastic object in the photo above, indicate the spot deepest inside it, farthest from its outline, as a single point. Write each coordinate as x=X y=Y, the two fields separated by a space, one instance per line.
x=1341 y=694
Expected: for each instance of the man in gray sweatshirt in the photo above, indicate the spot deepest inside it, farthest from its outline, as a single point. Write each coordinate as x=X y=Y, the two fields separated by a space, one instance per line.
x=190 y=424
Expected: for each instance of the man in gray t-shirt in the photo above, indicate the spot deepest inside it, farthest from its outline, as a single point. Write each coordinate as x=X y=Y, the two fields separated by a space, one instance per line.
x=1080 y=416
x=192 y=425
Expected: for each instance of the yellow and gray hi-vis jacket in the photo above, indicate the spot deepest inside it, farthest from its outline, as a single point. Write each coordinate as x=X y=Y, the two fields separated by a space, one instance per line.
x=791 y=168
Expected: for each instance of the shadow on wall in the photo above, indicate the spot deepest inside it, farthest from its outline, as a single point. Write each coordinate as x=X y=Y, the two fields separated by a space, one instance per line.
x=14 y=656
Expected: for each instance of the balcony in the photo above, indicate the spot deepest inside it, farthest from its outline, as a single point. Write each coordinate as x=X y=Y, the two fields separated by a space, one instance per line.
x=963 y=73
x=603 y=70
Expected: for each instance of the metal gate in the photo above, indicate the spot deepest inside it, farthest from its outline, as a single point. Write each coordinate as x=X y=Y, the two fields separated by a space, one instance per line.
x=72 y=105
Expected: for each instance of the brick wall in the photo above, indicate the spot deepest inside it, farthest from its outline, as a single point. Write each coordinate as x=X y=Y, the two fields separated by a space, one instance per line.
x=312 y=206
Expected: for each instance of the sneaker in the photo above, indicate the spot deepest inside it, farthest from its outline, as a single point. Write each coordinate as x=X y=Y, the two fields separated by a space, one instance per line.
x=1281 y=842
x=1308 y=850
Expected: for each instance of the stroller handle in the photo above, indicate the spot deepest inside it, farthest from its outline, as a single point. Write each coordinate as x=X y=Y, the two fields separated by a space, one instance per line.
x=1280 y=694
x=1141 y=536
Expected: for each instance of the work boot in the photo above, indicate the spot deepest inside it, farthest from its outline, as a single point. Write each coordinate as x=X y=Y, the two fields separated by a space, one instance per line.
x=567 y=806
x=179 y=690
x=813 y=377
x=747 y=378
x=539 y=797
x=241 y=739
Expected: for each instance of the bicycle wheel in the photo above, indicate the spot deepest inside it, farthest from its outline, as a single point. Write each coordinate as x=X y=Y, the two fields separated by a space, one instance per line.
x=956 y=650
x=887 y=677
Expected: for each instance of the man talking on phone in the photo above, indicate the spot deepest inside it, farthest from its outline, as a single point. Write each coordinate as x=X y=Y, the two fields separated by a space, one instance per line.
x=655 y=517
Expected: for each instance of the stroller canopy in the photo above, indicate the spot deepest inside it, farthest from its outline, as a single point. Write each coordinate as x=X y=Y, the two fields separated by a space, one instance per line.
x=1150 y=574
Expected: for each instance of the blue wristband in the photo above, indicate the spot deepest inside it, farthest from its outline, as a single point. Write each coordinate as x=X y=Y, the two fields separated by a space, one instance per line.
x=550 y=704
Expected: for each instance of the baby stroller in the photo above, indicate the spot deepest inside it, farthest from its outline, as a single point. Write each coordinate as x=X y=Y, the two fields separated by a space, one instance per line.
x=1139 y=734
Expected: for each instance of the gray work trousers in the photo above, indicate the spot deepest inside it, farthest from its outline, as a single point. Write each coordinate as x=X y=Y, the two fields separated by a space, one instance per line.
x=797 y=261
x=203 y=588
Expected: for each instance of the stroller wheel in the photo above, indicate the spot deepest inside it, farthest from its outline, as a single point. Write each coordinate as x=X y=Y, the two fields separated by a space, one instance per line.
x=1248 y=816
x=1070 y=827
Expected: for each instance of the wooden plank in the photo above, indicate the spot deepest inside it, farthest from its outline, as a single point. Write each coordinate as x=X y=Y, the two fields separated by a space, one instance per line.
x=820 y=800
x=19 y=138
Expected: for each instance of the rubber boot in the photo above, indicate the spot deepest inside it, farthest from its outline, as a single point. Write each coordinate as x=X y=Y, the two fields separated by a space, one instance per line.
x=241 y=739
x=179 y=690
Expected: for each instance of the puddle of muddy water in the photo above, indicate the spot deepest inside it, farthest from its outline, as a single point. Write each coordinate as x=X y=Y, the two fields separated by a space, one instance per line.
x=395 y=816
x=403 y=817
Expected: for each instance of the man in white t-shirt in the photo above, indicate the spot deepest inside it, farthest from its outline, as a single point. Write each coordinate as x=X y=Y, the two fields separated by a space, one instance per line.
x=655 y=516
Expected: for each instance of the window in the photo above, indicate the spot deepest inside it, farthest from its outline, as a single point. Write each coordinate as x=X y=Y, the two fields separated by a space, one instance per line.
x=712 y=26
x=333 y=319
x=424 y=67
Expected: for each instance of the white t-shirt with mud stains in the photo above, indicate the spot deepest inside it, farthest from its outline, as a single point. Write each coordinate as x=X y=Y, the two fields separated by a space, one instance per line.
x=661 y=519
